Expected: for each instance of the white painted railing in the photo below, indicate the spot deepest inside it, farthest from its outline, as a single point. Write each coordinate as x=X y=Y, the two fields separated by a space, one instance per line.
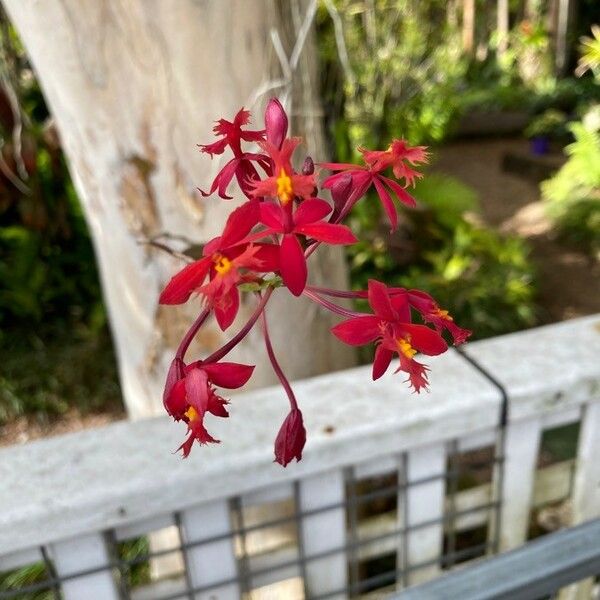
x=393 y=487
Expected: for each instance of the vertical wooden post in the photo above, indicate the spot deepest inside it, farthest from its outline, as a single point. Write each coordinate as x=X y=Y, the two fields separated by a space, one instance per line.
x=324 y=531
x=215 y=561
x=521 y=446
x=81 y=554
x=586 y=488
x=425 y=502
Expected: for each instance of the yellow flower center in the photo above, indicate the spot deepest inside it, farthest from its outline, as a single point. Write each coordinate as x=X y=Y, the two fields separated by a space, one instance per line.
x=191 y=413
x=405 y=348
x=222 y=264
x=443 y=314
x=285 y=191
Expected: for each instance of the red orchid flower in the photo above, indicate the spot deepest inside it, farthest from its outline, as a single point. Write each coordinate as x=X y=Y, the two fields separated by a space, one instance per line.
x=232 y=134
x=396 y=156
x=190 y=394
x=427 y=307
x=221 y=292
x=370 y=174
x=285 y=183
x=396 y=334
x=240 y=165
x=223 y=259
x=306 y=220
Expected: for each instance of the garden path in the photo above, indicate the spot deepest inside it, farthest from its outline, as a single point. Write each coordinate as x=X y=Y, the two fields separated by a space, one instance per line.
x=569 y=280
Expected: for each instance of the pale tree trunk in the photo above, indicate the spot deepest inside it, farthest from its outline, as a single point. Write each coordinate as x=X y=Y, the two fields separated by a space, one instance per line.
x=133 y=86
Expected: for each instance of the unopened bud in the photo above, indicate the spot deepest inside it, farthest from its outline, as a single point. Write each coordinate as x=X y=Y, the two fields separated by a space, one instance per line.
x=308 y=168
x=276 y=122
x=290 y=439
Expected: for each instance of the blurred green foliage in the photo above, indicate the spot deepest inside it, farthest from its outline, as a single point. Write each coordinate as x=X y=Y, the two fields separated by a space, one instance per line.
x=47 y=266
x=47 y=371
x=55 y=348
x=551 y=123
x=12 y=581
x=133 y=551
x=573 y=195
x=485 y=279
x=403 y=72
x=406 y=76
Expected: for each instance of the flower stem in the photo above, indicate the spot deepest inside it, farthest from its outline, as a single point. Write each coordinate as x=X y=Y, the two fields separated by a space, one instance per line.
x=363 y=294
x=336 y=293
x=192 y=331
x=242 y=333
x=276 y=367
x=335 y=308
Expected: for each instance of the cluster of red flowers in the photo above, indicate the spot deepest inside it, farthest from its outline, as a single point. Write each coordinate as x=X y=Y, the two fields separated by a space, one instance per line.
x=265 y=245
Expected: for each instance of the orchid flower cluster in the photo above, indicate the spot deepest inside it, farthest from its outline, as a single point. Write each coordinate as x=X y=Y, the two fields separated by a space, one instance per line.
x=265 y=245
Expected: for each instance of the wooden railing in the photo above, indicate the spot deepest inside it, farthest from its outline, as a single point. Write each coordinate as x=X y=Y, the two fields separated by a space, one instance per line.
x=394 y=488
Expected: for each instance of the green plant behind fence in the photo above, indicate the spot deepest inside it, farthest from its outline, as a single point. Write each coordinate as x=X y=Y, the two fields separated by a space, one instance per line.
x=407 y=76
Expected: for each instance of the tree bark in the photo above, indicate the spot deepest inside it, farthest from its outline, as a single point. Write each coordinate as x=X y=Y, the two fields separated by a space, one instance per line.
x=133 y=86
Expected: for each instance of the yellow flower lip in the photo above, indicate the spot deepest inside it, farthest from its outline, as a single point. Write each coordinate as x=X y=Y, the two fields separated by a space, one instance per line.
x=191 y=413
x=222 y=264
x=405 y=348
x=285 y=191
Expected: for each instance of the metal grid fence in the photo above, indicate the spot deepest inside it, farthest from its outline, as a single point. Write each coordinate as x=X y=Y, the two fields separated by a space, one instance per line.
x=365 y=499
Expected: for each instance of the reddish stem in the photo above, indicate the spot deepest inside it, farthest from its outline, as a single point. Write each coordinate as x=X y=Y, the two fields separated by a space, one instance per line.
x=336 y=293
x=335 y=308
x=276 y=367
x=363 y=294
x=192 y=331
x=242 y=333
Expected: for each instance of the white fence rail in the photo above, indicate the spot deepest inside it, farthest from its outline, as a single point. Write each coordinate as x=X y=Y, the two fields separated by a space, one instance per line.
x=393 y=488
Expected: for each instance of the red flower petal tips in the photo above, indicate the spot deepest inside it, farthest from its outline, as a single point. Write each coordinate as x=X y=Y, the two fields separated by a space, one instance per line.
x=266 y=244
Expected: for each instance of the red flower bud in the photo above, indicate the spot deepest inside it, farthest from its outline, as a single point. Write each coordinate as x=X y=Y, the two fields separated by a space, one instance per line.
x=290 y=439
x=340 y=192
x=308 y=168
x=276 y=122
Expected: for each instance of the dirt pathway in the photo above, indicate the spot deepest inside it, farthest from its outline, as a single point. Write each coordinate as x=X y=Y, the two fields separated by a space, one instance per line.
x=569 y=281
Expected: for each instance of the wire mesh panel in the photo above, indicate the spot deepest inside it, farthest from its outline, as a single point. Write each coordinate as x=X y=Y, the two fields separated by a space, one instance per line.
x=367 y=529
